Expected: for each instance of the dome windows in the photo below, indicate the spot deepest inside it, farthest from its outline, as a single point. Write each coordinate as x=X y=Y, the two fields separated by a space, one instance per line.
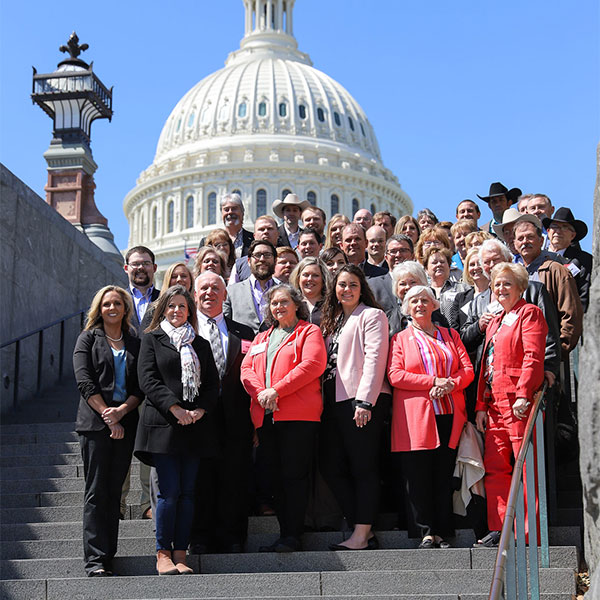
x=262 y=109
x=212 y=208
x=282 y=109
x=205 y=118
x=320 y=114
x=154 y=221
x=242 y=110
x=312 y=198
x=178 y=125
x=335 y=204
x=170 y=216
x=261 y=203
x=373 y=209
x=189 y=212
x=336 y=118
x=191 y=119
x=224 y=111
x=285 y=193
x=351 y=123
x=355 y=205
x=362 y=129
x=302 y=111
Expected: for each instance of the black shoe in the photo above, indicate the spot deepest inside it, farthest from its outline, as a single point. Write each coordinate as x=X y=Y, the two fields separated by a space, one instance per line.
x=427 y=544
x=234 y=549
x=100 y=572
x=270 y=548
x=288 y=544
x=491 y=540
x=373 y=543
x=199 y=549
x=341 y=548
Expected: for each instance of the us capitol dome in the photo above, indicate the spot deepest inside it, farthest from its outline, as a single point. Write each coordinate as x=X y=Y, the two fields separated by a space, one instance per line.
x=266 y=124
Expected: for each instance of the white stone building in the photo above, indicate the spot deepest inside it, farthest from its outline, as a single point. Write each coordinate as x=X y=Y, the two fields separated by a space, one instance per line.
x=265 y=124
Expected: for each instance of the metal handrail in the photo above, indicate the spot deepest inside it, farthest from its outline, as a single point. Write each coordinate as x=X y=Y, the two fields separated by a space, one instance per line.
x=40 y=332
x=515 y=505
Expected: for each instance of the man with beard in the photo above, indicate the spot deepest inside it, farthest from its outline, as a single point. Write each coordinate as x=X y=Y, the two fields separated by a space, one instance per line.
x=265 y=228
x=499 y=199
x=232 y=215
x=221 y=513
x=245 y=301
x=140 y=268
x=556 y=278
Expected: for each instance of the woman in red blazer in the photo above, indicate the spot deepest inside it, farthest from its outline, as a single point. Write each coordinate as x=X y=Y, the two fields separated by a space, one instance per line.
x=281 y=372
x=429 y=369
x=512 y=371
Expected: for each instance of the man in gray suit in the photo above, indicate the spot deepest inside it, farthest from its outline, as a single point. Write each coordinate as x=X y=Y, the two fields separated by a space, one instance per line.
x=245 y=300
x=398 y=248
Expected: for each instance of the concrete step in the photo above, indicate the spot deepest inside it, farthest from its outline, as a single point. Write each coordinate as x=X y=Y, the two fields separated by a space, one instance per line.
x=14 y=428
x=50 y=484
x=44 y=437
x=58 y=458
x=333 y=584
x=376 y=560
x=40 y=472
x=44 y=449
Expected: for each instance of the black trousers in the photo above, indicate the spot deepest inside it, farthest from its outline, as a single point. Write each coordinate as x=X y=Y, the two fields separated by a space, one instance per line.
x=428 y=475
x=288 y=449
x=105 y=466
x=222 y=496
x=349 y=457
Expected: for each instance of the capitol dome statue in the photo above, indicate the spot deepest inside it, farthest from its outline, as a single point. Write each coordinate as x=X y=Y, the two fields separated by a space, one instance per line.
x=266 y=124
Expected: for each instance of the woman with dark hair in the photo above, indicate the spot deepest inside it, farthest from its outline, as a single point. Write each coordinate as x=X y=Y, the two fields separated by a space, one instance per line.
x=334 y=258
x=220 y=240
x=105 y=365
x=177 y=373
x=356 y=397
x=426 y=219
x=311 y=278
x=281 y=371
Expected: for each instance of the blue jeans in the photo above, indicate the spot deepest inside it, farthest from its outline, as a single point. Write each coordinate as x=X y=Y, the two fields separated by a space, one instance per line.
x=175 y=503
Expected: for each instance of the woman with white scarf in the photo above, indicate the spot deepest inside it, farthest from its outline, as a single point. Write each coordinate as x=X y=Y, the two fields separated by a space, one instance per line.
x=177 y=373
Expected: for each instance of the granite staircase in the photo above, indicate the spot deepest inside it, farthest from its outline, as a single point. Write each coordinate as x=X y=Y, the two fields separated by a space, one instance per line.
x=41 y=485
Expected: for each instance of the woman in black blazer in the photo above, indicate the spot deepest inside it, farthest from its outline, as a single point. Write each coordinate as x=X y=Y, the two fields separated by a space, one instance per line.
x=105 y=365
x=177 y=373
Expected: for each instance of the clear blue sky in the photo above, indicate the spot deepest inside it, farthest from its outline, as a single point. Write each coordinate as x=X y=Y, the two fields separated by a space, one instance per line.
x=460 y=93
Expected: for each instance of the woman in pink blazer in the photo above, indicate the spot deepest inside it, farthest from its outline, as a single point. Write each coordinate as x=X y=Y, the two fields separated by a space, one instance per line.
x=512 y=371
x=281 y=371
x=428 y=368
x=356 y=397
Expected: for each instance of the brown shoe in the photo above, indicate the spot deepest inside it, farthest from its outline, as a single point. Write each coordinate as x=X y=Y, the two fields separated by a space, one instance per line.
x=164 y=564
x=179 y=557
x=147 y=514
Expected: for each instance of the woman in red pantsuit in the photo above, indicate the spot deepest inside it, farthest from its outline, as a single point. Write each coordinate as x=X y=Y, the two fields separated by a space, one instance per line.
x=511 y=373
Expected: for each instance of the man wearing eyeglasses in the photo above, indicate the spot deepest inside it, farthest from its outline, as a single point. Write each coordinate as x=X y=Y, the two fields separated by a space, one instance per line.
x=140 y=267
x=245 y=300
x=398 y=249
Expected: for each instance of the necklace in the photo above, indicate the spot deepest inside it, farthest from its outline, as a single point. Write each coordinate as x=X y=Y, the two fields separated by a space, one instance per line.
x=114 y=339
x=429 y=333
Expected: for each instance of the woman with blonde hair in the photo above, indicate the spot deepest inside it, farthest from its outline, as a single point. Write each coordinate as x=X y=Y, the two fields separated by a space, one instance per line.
x=333 y=238
x=312 y=279
x=219 y=239
x=408 y=225
x=105 y=366
x=209 y=258
x=476 y=238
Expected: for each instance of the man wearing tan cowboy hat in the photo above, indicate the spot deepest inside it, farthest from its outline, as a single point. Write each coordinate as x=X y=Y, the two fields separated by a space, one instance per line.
x=289 y=209
x=504 y=230
x=499 y=199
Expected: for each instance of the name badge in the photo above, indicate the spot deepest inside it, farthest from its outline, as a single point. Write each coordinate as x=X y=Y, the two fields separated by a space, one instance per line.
x=246 y=346
x=509 y=319
x=573 y=269
x=258 y=348
x=494 y=307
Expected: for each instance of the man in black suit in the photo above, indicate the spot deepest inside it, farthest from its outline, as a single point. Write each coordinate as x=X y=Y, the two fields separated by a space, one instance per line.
x=221 y=522
x=140 y=266
x=354 y=244
x=290 y=210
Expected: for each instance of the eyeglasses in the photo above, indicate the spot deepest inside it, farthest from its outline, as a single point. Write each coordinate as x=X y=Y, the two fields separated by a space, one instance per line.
x=139 y=265
x=221 y=245
x=260 y=255
x=399 y=251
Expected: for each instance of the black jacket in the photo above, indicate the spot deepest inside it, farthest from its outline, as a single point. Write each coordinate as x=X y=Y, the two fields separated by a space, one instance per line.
x=583 y=261
x=159 y=372
x=247 y=239
x=283 y=239
x=139 y=327
x=94 y=368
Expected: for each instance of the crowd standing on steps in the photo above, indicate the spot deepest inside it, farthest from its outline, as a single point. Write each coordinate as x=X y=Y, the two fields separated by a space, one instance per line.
x=297 y=369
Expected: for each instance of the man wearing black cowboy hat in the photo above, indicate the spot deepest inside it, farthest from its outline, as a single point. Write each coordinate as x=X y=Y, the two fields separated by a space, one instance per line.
x=499 y=199
x=564 y=234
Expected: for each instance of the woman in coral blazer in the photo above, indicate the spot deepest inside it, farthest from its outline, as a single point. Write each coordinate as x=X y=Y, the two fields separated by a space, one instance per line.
x=281 y=372
x=356 y=398
x=428 y=368
x=512 y=371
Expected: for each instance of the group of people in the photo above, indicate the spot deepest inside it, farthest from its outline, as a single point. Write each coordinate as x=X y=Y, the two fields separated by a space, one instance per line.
x=293 y=369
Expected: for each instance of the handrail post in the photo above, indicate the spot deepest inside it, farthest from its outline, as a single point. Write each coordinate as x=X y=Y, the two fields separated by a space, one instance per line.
x=40 y=360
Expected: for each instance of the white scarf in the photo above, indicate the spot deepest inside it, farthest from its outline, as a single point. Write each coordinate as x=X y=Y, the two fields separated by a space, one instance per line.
x=182 y=338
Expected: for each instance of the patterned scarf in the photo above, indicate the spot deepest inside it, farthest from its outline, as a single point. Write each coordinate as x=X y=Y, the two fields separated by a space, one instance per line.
x=182 y=338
